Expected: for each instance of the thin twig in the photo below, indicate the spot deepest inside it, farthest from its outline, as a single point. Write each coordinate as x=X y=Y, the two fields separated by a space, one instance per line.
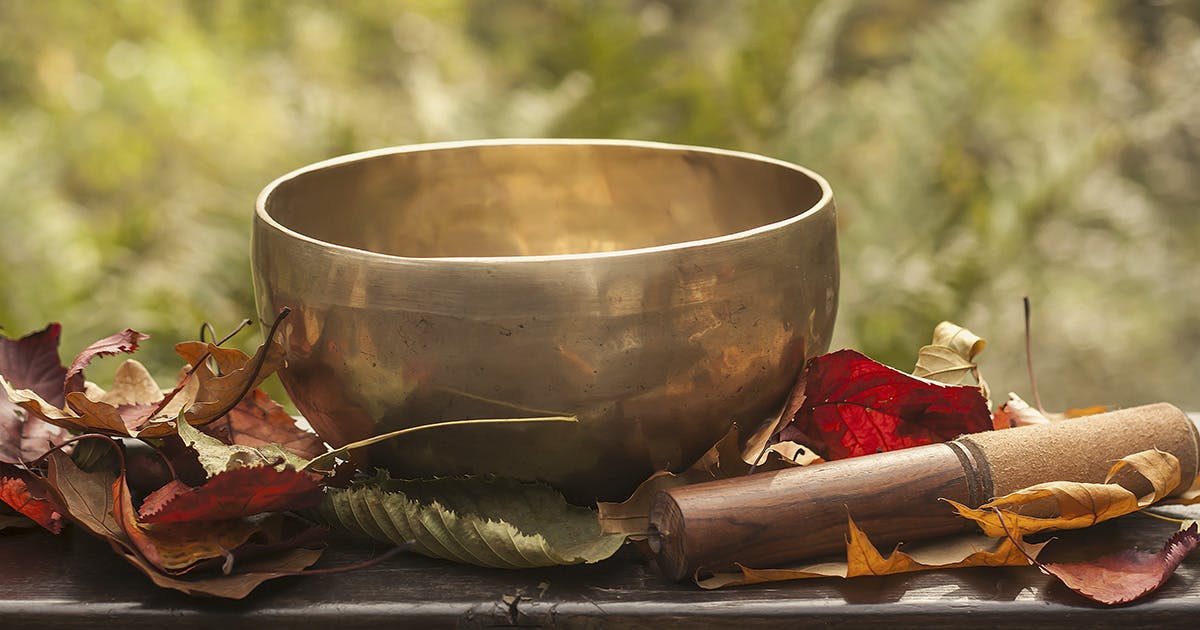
x=1037 y=400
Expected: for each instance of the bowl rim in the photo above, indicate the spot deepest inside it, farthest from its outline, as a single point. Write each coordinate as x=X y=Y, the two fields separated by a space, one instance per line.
x=260 y=204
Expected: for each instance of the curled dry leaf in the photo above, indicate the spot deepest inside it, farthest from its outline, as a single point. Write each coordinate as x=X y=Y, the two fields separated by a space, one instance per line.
x=1072 y=505
x=487 y=522
x=856 y=406
x=125 y=341
x=863 y=558
x=950 y=358
x=30 y=363
x=238 y=375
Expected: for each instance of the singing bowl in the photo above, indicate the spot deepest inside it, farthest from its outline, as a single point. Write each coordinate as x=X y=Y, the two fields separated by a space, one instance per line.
x=658 y=293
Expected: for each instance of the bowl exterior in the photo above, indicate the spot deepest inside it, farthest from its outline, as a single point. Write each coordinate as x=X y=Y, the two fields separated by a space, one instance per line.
x=656 y=352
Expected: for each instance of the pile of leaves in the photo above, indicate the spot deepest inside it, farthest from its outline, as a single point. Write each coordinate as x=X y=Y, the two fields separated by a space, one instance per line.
x=211 y=488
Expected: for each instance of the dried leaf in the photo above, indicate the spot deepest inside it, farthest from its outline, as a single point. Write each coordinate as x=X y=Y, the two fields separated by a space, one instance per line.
x=236 y=585
x=27 y=495
x=257 y=421
x=239 y=374
x=31 y=363
x=132 y=385
x=855 y=406
x=725 y=459
x=951 y=357
x=216 y=456
x=234 y=494
x=125 y=341
x=863 y=558
x=495 y=523
x=86 y=496
x=1124 y=577
x=136 y=407
x=1018 y=413
x=1072 y=505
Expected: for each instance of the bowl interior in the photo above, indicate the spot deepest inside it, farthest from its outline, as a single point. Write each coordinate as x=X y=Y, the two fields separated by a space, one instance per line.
x=537 y=199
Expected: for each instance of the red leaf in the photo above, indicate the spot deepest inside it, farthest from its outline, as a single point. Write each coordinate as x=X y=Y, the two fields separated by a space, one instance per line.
x=1123 y=577
x=125 y=341
x=31 y=362
x=234 y=493
x=17 y=493
x=257 y=421
x=855 y=406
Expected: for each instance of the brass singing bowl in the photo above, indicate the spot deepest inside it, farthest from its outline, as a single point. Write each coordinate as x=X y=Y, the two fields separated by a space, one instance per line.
x=658 y=293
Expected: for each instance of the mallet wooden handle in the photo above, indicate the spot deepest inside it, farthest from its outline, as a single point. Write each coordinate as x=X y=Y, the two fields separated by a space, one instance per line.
x=772 y=519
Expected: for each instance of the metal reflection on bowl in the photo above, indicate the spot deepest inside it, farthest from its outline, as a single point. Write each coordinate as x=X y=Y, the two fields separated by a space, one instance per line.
x=657 y=292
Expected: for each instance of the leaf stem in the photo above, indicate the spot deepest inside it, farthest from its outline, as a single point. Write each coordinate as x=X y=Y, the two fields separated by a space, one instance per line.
x=322 y=459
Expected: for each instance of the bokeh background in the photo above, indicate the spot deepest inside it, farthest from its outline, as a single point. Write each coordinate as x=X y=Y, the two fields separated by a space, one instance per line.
x=980 y=150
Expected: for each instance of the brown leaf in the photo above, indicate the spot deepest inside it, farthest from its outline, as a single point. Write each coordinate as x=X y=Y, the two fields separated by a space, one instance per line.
x=239 y=374
x=863 y=558
x=86 y=496
x=257 y=421
x=236 y=585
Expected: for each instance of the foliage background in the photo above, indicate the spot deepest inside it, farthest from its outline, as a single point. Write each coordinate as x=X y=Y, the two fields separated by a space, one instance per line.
x=980 y=150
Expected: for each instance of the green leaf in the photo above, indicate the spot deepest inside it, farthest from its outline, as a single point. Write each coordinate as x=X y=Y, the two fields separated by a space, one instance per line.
x=217 y=456
x=498 y=523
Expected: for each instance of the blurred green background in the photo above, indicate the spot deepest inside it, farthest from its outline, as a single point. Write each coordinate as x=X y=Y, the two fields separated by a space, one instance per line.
x=979 y=151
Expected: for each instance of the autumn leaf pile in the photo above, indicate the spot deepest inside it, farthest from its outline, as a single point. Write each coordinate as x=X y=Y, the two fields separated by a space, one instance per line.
x=195 y=485
x=211 y=488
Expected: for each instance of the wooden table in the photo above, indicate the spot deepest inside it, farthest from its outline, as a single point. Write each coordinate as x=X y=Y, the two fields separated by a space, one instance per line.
x=75 y=581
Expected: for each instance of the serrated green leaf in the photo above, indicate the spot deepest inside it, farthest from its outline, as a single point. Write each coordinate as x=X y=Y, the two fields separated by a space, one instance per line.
x=498 y=523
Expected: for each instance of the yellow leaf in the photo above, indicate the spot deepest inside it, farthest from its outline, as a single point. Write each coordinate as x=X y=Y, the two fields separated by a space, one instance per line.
x=1072 y=505
x=863 y=558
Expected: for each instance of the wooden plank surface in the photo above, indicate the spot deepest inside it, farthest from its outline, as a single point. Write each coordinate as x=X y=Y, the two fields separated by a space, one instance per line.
x=74 y=581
